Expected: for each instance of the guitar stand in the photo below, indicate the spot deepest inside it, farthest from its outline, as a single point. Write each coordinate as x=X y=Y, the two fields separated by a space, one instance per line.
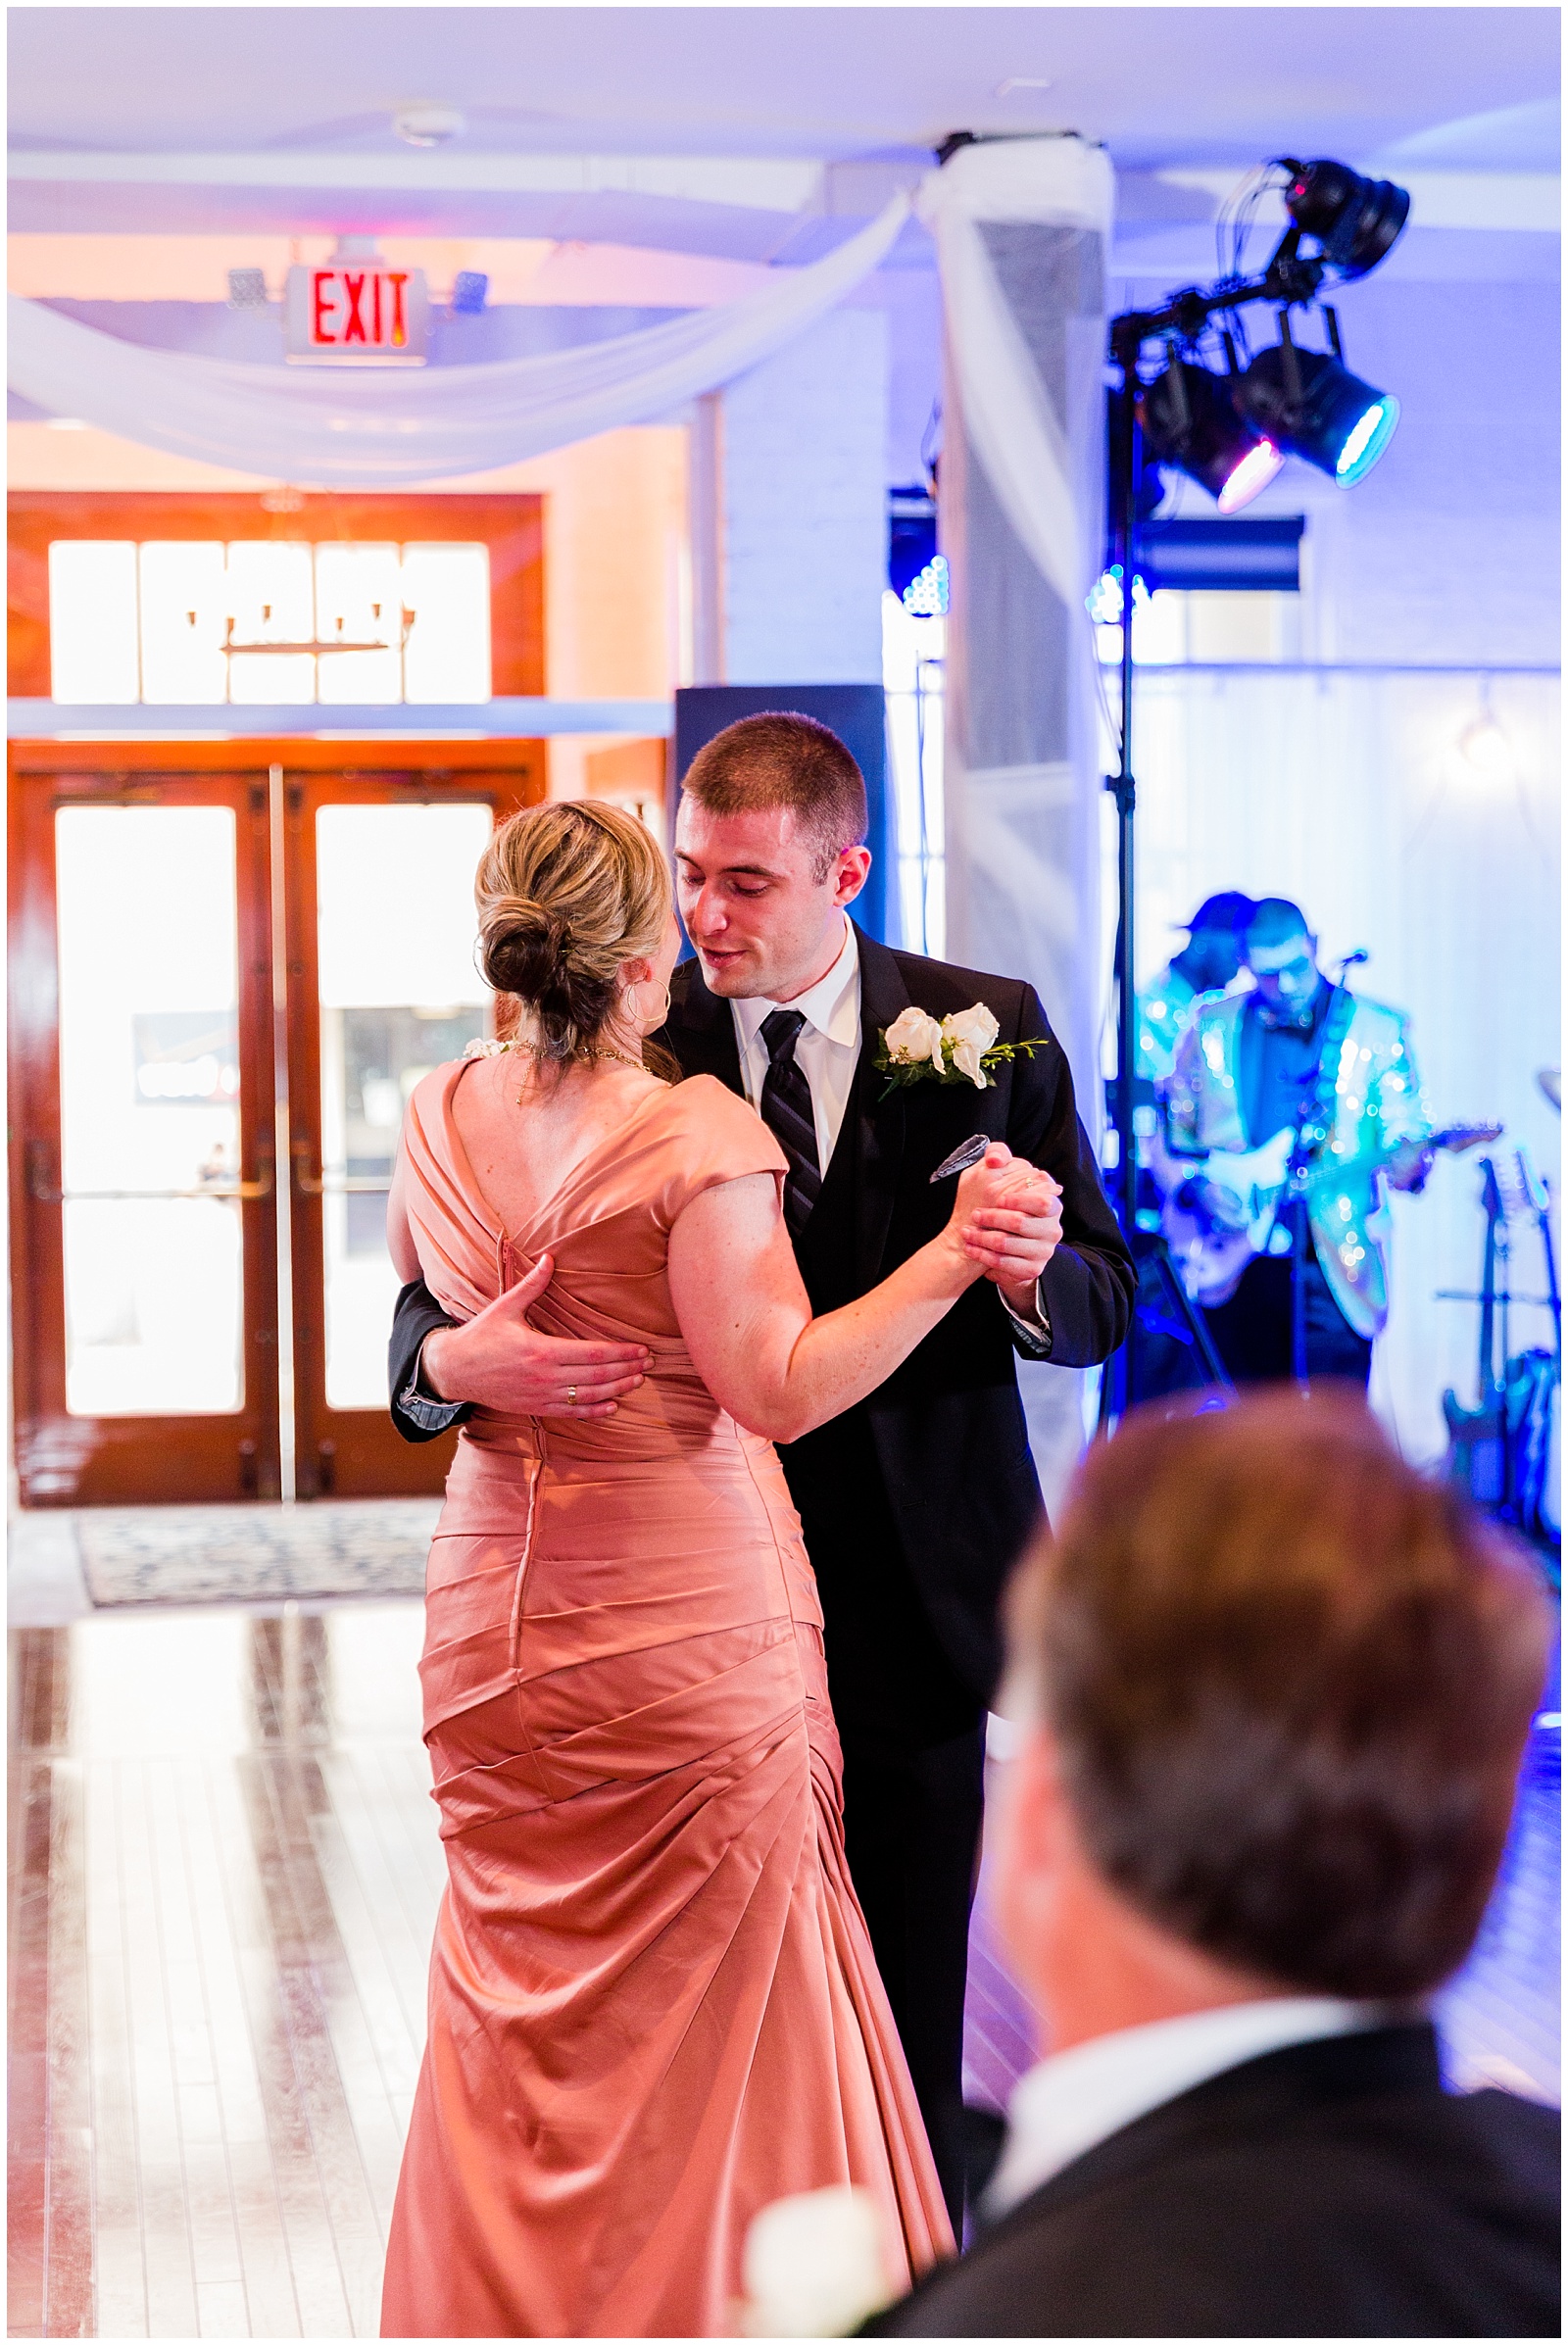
x=1118 y=1384
x=1300 y=1239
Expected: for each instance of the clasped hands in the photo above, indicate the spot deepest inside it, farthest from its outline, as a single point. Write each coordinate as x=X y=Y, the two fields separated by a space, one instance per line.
x=1008 y=1217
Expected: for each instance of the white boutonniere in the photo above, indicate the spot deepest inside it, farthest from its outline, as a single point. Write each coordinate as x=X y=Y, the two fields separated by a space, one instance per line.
x=961 y=1048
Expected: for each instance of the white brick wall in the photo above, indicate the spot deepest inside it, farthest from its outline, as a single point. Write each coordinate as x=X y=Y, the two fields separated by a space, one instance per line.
x=805 y=509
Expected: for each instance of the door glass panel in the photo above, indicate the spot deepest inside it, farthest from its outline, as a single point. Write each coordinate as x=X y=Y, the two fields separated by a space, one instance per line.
x=446 y=589
x=358 y=598
x=183 y=615
x=399 y=994
x=271 y=600
x=93 y=653
x=149 y=1103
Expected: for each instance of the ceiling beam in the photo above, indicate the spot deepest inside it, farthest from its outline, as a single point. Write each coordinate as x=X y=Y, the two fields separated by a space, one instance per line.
x=503 y=719
x=760 y=183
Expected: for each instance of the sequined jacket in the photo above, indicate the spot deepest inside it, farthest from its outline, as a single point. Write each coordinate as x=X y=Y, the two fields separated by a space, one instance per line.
x=1378 y=1106
x=1162 y=1007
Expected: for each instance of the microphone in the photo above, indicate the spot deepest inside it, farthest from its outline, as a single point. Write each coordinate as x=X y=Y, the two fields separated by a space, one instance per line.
x=1353 y=961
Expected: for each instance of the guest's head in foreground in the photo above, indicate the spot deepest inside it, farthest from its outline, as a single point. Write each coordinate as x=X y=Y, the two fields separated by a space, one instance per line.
x=1277 y=1688
x=577 y=930
x=770 y=848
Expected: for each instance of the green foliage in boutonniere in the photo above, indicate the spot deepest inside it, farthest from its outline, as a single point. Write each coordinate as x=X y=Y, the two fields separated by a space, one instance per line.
x=961 y=1048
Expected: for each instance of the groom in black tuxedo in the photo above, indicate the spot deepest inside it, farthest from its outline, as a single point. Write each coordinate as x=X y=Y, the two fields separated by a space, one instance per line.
x=916 y=1502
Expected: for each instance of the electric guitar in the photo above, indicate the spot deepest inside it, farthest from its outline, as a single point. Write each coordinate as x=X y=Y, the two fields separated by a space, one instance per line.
x=1227 y=1212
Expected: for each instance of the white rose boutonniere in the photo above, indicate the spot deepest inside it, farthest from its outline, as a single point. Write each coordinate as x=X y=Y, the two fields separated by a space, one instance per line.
x=914 y=1039
x=961 y=1048
x=972 y=1032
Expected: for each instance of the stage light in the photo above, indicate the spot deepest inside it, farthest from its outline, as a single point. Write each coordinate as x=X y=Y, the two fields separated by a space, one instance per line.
x=1355 y=220
x=1310 y=405
x=1190 y=420
x=928 y=594
x=471 y=289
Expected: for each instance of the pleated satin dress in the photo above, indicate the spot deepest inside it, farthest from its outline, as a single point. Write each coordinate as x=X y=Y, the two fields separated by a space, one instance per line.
x=654 y=2006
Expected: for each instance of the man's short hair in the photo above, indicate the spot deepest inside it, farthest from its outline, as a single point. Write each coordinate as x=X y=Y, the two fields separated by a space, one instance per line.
x=1274 y=919
x=1290 y=1680
x=781 y=759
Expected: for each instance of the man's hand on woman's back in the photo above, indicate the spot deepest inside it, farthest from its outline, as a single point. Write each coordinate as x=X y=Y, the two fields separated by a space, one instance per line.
x=496 y=1360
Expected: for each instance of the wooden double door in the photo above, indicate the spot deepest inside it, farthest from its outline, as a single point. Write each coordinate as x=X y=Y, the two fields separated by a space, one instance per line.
x=229 y=965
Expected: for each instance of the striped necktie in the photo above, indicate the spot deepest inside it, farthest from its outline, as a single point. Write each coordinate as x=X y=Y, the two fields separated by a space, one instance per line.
x=786 y=1106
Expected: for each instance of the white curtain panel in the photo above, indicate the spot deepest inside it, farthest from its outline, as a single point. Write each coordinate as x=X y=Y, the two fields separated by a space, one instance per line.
x=1022 y=230
x=1349 y=791
x=1016 y=433
x=384 y=428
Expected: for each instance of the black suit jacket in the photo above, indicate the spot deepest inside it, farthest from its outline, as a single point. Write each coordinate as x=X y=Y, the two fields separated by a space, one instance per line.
x=1333 y=2189
x=941 y=1450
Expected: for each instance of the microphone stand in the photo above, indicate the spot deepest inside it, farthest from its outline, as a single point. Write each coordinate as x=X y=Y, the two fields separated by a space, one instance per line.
x=1306 y=1140
x=1290 y=276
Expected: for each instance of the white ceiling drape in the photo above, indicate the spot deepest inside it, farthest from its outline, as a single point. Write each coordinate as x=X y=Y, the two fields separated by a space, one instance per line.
x=1014 y=431
x=384 y=428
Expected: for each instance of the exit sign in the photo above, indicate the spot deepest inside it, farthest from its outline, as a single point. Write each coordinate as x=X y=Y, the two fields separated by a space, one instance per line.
x=357 y=312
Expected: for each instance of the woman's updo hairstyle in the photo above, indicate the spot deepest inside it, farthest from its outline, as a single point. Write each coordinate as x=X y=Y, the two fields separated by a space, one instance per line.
x=566 y=893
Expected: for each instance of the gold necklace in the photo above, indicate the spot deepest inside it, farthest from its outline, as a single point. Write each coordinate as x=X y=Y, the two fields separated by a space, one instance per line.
x=599 y=1050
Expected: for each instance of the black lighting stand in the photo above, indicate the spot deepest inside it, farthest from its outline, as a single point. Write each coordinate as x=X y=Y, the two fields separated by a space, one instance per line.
x=1118 y=1390
x=1290 y=278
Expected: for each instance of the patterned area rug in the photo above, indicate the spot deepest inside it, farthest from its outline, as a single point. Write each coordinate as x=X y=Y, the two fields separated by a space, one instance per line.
x=253 y=1554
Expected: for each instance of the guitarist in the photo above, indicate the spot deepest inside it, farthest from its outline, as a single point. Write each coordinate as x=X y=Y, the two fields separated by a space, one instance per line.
x=1299 y=1052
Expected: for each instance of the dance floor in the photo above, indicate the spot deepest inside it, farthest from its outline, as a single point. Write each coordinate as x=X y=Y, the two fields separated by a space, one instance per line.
x=224 y=1869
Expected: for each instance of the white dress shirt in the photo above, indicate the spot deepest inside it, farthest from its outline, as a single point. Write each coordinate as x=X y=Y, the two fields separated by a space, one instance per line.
x=826 y=1051
x=1068 y=2104
x=826 y=1048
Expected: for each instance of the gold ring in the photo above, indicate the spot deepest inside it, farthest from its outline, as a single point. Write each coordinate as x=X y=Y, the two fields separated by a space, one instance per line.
x=571 y=1395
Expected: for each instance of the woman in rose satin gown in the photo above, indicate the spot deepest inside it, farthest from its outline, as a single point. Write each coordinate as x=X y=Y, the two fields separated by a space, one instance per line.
x=653 y=2003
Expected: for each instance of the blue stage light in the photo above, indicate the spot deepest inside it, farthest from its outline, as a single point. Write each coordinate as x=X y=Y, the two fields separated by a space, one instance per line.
x=911 y=534
x=1310 y=404
x=1367 y=441
x=927 y=594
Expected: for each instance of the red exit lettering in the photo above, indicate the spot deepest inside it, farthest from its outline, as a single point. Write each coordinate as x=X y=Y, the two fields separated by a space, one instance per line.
x=359 y=306
x=355 y=310
x=323 y=306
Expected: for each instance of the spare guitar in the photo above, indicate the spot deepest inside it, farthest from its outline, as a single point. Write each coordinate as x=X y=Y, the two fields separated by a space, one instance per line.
x=1229 y=1212
x=1478 y=1437
x=1503 y=1449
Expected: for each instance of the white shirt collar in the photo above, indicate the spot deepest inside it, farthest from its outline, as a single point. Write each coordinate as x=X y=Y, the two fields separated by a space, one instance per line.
x=1067 y=2104
x=832 y=1005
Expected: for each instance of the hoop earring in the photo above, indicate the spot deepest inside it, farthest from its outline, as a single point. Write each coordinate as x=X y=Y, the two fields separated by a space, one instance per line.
x=654 y=1024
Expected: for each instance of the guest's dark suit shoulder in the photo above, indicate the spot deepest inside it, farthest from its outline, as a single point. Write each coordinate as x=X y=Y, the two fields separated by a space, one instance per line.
x=1329 y=2190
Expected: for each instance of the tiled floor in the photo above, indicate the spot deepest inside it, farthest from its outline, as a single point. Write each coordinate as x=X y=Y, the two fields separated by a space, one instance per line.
x=225 y=1872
